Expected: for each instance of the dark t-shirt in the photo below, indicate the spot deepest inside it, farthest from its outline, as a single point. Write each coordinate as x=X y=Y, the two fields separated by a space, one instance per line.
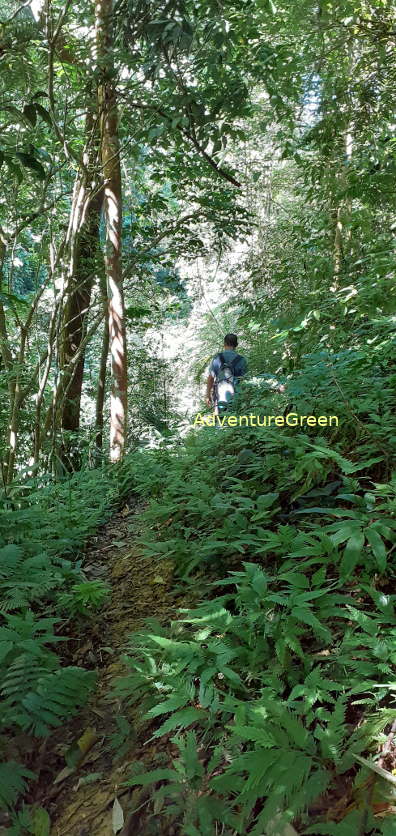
x=240 y=367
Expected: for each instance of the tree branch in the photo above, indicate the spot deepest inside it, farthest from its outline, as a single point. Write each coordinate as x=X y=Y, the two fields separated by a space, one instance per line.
x=193 y=139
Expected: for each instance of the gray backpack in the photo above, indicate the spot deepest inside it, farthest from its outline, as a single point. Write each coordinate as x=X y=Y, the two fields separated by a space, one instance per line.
x=226 y=380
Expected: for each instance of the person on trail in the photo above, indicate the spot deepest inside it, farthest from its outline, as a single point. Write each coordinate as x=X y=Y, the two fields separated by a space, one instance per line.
x=225 y=372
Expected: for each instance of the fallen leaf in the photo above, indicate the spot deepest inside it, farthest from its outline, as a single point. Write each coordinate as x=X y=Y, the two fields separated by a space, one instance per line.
x=41 y=822
x=117 y=817
x=63 y=774
x=89 y=779
x=76 y=754
x=80 y=748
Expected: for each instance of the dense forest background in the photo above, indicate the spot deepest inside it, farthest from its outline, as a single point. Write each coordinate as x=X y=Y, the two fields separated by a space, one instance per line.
x=170 y=172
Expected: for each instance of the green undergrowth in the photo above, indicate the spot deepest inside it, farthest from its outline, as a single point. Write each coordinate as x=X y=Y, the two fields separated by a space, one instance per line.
x=43 y=533
x=277 y=691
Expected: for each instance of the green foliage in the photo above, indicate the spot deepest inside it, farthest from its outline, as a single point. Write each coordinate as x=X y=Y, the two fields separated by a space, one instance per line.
x=86 y=596
x=12 y=782
x=270 y=123
x=38 y=701
x=56 y=519
x=277 y=684
x=37 y=693
x=25 y=579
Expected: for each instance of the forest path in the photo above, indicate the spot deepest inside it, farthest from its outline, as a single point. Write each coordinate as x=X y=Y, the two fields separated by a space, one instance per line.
x=82 y=803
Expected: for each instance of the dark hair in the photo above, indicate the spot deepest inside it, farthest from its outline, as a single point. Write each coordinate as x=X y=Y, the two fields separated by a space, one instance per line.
x=231 y=339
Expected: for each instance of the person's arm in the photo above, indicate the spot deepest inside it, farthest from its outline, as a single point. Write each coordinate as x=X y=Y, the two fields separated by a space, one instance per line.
x=210 y=382
x=209 y=389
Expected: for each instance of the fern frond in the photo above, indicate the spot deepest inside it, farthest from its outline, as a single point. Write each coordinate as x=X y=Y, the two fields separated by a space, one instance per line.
x=333 y=734
x=12 y=782
x=58 y=695
x=36 y=699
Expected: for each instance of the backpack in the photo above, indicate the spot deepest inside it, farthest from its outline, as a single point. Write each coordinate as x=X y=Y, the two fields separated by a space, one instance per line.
x=225 y=381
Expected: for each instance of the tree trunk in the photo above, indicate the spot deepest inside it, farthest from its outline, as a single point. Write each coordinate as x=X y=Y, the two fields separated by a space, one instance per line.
x=82 y=246
x=341 y=215
x=110 y=154
x=13 y=386
x=101 y=390
x=337 y=246
x=76 y=313
x=13 y=427
x=61 y=391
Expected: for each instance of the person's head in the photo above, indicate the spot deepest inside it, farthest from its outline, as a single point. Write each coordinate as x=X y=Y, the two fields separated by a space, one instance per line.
x=230 y=341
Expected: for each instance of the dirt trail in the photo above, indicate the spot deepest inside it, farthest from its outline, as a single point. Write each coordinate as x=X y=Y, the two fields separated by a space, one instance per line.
x=141 y=588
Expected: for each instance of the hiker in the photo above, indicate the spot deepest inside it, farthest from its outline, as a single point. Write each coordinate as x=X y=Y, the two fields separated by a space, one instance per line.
x=225 y=371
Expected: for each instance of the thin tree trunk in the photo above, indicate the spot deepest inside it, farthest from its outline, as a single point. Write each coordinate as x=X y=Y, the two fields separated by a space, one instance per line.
x=110 y=154
x=5 y=349
x=337 y=246
x=9 y=365
x=342 y=236
x=11 y=373
x=13 y=428
x=43 y=382
x=101 y=390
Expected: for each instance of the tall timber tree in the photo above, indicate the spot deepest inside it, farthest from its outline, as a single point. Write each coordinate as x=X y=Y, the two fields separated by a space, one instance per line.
x=110 y=157
x=84 y=265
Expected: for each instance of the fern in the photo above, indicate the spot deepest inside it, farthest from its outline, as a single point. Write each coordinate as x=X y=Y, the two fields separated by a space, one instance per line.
x=152 y=777
x=352 y=823
x=332 y=735
x=38 y=701
x=180 y=720
x=26 y=579
x=13 y=778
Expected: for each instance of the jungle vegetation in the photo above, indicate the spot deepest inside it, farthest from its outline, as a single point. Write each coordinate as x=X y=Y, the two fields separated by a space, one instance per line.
x=171 y=171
